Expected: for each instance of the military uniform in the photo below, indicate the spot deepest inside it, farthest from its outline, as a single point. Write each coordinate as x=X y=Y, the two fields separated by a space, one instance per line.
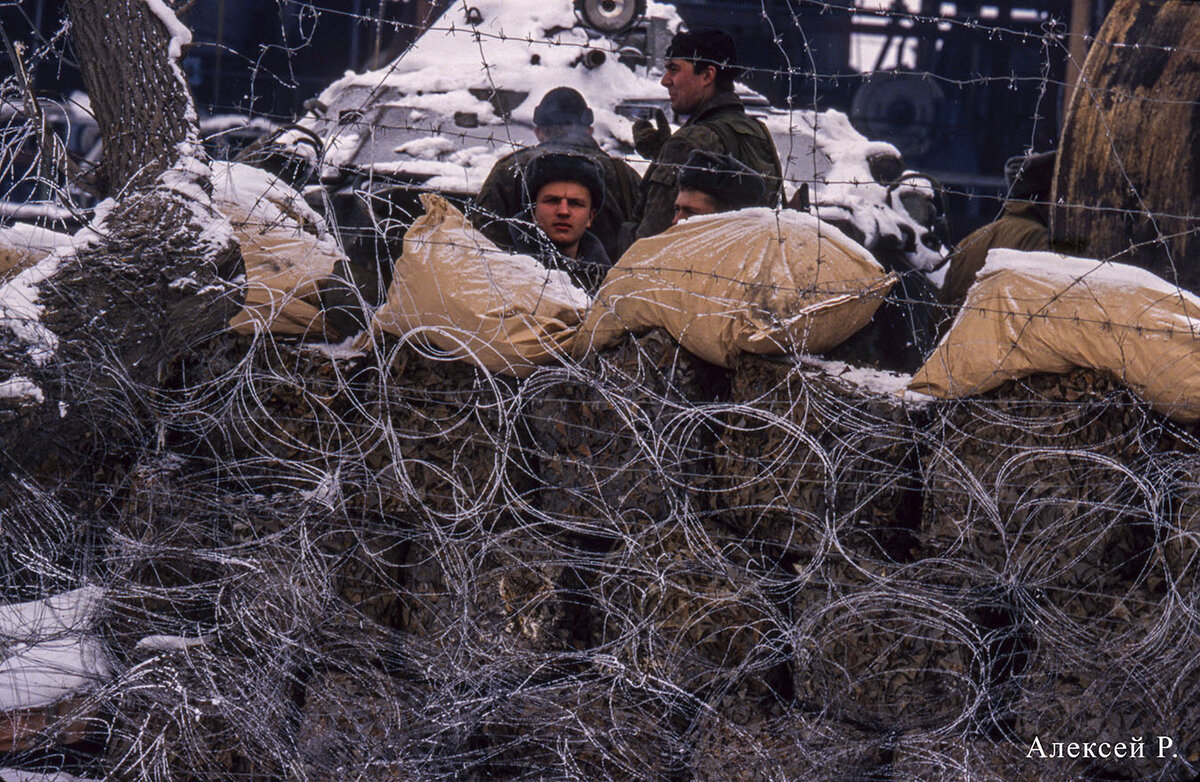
x=502 y=195
x=720 y=124
x=1023 y=226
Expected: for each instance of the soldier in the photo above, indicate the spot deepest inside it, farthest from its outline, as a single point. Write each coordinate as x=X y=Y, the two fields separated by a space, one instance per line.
x=700 y=68
x=563 y=124
x=1023 y=226
x=710 y=182
x=568 y=193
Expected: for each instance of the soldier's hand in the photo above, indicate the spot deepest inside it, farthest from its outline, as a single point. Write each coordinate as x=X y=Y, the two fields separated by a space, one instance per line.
x=648 y=139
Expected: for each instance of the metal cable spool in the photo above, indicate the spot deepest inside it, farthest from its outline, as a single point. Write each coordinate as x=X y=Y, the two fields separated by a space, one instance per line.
x=1127 y=182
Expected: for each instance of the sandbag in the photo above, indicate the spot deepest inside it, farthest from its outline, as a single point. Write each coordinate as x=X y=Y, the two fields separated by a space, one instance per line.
x=23 y=245
x=1031 y=312
x=754 y=280
x=456 y=291
x=287 y=249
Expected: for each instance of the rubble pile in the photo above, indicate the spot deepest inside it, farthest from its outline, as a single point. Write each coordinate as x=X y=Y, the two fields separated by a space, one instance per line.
x=395 y=566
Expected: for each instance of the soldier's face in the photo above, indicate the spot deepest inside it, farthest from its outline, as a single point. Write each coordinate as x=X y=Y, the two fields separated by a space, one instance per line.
x=686 y=87
x=563 y=210
x=690 y=203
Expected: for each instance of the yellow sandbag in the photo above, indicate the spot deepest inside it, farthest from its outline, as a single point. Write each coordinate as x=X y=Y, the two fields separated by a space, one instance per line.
x=454 y=290
x=755 y=280
x=1043 y=312
x=286 y=248
x=23 y=245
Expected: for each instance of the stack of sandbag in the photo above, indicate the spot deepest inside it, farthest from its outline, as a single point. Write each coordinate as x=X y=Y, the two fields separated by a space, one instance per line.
x=269 y=406
x=1046 y=482
x=819 y=460
x=475 y=586
x=367 y=724
x=287 y=249
x=903 y=654
x=1180 y=534
x=453 y=291
x=502 y=608
x=272 y=444
x=434 y=433
x=1130 y=666
x=313 y=550
x=616 y=441
x=1041 y=312
x=162 y=552
x=1147 y=692
x=690 y=621
x=610 y=448
x=754 y=281
x=1042 y=485
x=1040 y=493
x=199 y=711
x=586 y=727
x=938 y=757
x=800 y=746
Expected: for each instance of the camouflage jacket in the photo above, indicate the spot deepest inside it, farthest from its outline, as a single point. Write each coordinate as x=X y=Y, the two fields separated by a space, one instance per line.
x=719 y=125
x=502 y=196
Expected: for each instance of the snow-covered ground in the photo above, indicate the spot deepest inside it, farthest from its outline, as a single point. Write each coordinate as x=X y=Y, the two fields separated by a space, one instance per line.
x=49 y=651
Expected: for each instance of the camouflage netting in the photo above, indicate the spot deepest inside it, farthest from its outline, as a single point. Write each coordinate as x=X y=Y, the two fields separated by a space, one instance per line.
x=640 y=566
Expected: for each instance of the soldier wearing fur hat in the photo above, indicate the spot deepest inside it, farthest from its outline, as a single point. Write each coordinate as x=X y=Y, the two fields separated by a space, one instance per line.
x=566 y=194
x=701 y=65
x=563 y=124
x=711 y=182
x=1024 y=225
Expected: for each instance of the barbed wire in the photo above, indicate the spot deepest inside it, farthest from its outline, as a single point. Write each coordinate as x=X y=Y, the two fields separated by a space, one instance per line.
x=379 y=562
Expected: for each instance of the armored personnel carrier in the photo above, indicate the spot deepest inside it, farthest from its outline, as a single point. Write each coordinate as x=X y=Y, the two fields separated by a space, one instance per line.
x=439 y=116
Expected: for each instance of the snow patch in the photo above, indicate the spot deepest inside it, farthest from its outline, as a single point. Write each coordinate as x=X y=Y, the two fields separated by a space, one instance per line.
x=1052 y=266
x=266 y=200
x=427 y=148
x=70 y=612
x=43 y=210
x=20 y=311
x=18 y=387
x=21 y=775
x=32 y=238
x=171 y=643
x=508 y=271
x=338 y=350
x=180 y=35
x=45 y=673
x=877 y=382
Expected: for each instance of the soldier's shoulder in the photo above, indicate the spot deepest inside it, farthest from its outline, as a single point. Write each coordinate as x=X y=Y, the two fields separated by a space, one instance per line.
x=688 y=138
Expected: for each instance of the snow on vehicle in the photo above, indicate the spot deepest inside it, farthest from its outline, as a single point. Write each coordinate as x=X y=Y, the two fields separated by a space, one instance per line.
x=439 y=116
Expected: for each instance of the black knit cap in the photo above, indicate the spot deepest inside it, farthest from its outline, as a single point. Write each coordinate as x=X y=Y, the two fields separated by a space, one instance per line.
x=562 y=106
x=1029 y=176
x=704 y=44
x=724 y=178
x=557 y=167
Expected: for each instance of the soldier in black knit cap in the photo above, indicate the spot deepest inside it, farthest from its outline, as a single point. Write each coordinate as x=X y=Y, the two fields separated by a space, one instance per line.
x=563 y=124
x=701 y=66
x=711 y=182
x=567 y=192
